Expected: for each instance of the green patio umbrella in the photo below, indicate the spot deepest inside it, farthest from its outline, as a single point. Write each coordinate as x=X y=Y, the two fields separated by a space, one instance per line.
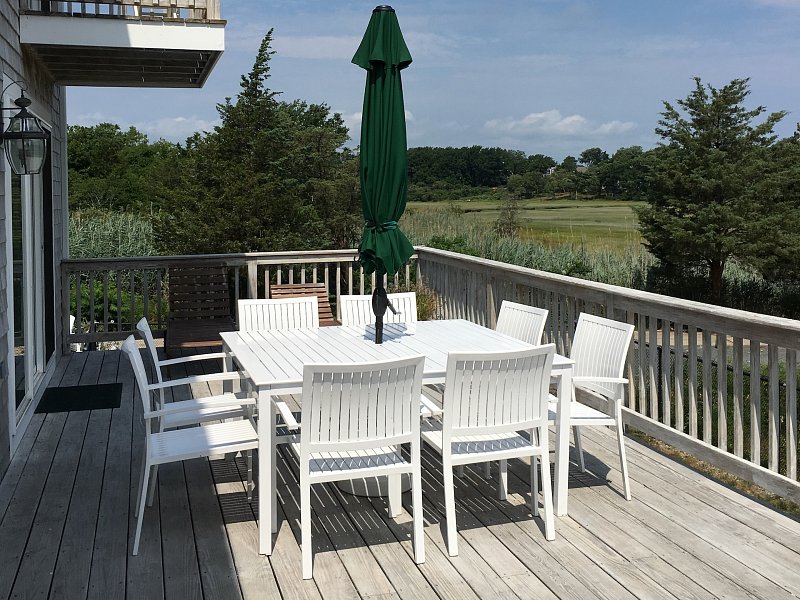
x=384 y=248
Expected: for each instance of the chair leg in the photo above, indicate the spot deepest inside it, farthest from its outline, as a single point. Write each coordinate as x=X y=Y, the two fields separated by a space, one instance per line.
x=305 y=527
x=502 y=480
x=626 y=484
x=547 y=492
x=535 y=485
x=416 y=501
x=250 y=485
x=487 y=470
x=576 y=433
x=152 y=492
x=395 y=485
x=450 y=508
x=140 y=507
x=141 y=483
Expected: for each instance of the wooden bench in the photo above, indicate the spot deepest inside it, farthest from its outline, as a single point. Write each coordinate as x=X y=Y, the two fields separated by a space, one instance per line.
x=294 y=290
x=199 y=308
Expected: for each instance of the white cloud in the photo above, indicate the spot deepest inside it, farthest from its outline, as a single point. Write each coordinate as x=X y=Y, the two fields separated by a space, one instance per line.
x=553 y=123
x=325 y=47
x=173 y=129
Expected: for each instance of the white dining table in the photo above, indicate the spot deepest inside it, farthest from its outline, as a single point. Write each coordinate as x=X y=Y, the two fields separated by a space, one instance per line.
x=272 y=361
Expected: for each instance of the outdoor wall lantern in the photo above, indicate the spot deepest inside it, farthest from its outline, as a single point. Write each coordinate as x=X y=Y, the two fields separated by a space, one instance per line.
x=24 y=140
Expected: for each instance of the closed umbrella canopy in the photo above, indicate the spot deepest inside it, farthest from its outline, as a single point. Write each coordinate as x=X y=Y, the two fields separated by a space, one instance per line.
x=384 y=162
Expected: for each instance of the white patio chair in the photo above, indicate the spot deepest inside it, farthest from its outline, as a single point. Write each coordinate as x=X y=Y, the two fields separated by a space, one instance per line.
x=281 y=313
x=357 y=310
x=489 y=398
x=199 y=410
x=354 y=419
x=181 y=444
x=599 y=349
x=521 y=321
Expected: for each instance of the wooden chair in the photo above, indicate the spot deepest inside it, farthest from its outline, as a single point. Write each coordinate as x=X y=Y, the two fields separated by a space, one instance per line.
x=599 y=349
x=180 y=444
x=354 y=419
x=284 y=313
x=357 y=310
x=489 y=398
x=521 y=321
x=199 y=308
x=294 y=290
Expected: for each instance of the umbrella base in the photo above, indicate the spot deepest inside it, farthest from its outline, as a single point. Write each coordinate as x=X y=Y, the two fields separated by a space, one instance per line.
x=372 y=487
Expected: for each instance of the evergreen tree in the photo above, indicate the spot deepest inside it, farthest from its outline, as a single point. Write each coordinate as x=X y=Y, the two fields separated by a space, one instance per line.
x=272 y=176
x=708 y=183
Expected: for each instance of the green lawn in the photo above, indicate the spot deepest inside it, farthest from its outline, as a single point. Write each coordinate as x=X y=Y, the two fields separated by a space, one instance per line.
x=606 y=224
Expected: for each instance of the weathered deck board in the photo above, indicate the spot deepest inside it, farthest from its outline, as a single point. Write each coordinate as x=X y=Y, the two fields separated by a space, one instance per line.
x=66 y=525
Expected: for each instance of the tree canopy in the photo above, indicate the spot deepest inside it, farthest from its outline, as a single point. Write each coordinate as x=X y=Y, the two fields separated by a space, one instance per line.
x=716 y=182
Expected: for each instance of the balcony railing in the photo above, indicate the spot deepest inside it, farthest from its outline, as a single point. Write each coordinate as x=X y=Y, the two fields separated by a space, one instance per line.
x=108 y=296
x=720 y=384
x=186 y=10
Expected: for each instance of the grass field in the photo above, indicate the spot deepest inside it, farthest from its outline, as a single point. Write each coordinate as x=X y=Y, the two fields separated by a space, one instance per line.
x=606 y=224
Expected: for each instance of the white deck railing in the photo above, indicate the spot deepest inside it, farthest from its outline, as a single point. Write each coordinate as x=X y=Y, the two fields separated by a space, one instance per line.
x=718 y=383
x=188 y=10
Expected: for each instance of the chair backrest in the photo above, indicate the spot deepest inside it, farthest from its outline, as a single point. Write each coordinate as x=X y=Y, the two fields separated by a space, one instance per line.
x=521 y=321
x=357 y=310
x=295 y=290
x=599 y=349
x=143 y=327
x=496 y=392
x=359 y=406
x=132 y=351
x=198 y=293
x=285 y=313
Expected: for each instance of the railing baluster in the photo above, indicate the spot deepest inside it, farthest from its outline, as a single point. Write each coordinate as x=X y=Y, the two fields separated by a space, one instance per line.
x=78 y=302
x=738 y=397
x=755 y=402
x=92 y=316
x=641 y=333
x=707 y=360
x=105 y=301
x=652 y=366
x=722 y=391
x=158 y=298
x=791 y=414
x=774 y=407
x=692 y=381
x=680 y=421
x=666 y=372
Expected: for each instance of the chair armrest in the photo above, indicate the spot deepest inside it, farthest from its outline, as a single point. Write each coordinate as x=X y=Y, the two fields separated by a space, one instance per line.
x=225 y=376
x=192 y=358
x=428 y=408
x=590 y=379
x=288 y=417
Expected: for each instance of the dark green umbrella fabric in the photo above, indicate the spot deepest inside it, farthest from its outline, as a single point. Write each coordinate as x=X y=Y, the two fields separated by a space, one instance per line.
x=383 y=53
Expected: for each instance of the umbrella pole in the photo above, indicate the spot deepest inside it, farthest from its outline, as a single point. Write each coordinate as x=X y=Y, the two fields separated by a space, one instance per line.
x=379 y=302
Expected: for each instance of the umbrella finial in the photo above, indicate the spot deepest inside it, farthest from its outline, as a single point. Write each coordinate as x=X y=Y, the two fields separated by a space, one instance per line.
x=383 y=8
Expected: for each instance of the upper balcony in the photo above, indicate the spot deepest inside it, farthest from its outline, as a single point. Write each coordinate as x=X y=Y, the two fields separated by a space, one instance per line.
x=125 y=43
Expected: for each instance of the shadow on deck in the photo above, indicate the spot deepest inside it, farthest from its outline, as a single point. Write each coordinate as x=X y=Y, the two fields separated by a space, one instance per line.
x=66 y=525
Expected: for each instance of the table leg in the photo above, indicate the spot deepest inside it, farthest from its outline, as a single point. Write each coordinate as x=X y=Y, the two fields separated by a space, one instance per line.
x=267 y=515
x=562 y=442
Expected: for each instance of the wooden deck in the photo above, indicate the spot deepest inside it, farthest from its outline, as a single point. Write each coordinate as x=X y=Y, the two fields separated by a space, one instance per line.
x=66 y=524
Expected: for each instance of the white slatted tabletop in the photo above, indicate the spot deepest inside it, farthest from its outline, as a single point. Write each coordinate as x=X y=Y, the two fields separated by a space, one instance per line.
x=273 y=363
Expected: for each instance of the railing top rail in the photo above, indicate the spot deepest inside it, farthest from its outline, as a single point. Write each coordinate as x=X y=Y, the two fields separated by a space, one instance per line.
x=199 y=10
x=732 y=321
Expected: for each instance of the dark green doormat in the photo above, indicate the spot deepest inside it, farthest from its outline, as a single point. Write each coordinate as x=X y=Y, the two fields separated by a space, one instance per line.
x=80 y=397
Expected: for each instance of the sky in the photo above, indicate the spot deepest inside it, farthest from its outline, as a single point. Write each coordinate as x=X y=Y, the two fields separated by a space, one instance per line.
x=543 y=76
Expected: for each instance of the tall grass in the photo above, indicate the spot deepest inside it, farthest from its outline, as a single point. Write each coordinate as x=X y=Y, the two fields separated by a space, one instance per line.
x=99 y=233
x=631 y=267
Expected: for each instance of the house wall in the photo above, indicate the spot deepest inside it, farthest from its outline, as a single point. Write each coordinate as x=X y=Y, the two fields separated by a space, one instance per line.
x=17 y=63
